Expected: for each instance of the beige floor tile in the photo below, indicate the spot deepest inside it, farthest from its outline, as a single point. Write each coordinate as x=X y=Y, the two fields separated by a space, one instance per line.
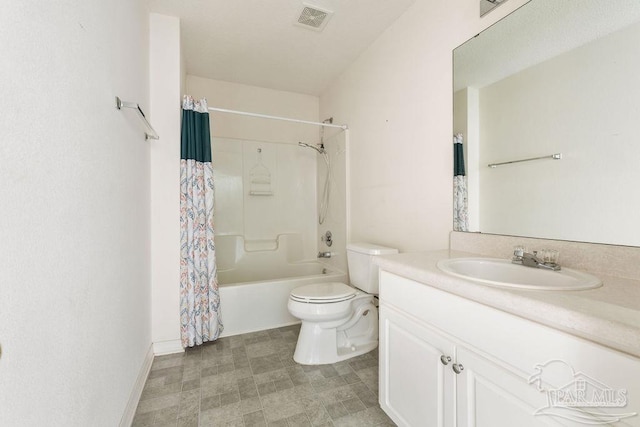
x=158 y=403
x=254 y=419
x=223 y=413
x=251 y=380
x=338 y=394
x=250 y=405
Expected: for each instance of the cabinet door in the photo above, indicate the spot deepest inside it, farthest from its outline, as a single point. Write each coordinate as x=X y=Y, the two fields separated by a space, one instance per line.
x=416 y=388
x=490 y=395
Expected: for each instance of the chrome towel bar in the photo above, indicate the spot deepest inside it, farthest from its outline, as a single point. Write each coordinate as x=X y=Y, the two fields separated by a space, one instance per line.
x=556 y=156
x=149 y=133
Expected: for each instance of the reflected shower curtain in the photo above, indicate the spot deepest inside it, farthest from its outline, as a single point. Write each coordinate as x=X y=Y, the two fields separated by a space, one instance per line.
x=200 y=319
x=460 y=209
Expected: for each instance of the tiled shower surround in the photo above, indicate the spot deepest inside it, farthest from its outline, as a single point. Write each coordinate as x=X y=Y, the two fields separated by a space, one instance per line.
x=252 y=380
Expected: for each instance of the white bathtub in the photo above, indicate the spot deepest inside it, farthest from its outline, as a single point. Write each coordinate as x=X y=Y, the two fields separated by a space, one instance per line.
x=255 y=284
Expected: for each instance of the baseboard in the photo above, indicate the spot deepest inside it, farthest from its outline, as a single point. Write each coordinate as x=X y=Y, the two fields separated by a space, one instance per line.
x=134 y=398
x=161 y=348
x=250 y=330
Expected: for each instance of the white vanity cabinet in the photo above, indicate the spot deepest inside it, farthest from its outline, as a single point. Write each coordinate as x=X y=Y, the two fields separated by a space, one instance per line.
x=449 y=361
x=416 y=387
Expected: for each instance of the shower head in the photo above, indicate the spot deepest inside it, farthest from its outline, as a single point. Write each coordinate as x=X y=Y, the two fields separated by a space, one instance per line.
x=320 y=149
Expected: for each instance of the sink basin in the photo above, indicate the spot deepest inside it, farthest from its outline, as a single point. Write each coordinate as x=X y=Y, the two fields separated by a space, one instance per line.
x=505 y=274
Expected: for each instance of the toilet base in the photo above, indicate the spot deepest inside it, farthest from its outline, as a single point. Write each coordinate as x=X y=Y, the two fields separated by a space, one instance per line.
x=318 y=345
x=355 y=350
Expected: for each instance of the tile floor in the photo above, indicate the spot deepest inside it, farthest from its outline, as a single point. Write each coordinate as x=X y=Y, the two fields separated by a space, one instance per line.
x=251 y=380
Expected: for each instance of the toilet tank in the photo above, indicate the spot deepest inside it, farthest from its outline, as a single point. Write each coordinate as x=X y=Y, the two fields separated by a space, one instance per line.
x=363 y=273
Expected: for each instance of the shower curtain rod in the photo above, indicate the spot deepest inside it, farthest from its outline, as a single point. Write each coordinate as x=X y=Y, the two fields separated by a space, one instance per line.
x=286 y=119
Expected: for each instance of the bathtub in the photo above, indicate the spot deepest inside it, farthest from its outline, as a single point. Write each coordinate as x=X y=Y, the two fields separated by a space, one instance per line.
x=255 y=279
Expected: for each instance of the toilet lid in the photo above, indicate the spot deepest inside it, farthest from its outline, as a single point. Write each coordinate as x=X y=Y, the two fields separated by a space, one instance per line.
x=323 y=293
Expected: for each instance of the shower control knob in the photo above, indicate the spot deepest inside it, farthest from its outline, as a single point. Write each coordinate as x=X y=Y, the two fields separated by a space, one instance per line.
x=327 y=238
x=457 y=368
x=445 y=359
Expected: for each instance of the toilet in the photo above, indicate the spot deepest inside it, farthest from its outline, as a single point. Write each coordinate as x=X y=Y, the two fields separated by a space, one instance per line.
x=339 y=321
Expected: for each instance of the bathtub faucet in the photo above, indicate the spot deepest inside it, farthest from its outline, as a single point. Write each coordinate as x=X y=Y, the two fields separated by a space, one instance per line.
x=324 y=254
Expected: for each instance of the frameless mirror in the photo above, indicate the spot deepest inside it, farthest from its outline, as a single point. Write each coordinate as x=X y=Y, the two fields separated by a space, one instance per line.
x=553 y=77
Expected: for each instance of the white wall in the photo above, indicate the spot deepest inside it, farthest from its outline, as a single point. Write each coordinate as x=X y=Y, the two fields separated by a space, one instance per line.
x=74 y=211
x=165 y=83
x=590 y=116
x=396 y=98
x=234 y=96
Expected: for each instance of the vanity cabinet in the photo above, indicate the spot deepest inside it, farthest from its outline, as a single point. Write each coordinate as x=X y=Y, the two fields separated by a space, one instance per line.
x=416 y=387
x=427 y=379
x=449 y=361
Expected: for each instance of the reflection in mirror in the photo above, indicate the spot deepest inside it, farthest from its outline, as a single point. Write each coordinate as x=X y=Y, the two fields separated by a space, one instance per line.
x=554 y=77
x=487 y=6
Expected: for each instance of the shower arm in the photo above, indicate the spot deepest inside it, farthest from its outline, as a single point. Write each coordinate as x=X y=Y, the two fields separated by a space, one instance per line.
x=320 y=149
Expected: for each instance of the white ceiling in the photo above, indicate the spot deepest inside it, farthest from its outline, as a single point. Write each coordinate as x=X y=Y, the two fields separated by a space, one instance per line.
x=255 y=42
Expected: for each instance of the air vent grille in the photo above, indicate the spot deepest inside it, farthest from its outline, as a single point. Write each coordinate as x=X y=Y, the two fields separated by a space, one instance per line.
x=313 y=18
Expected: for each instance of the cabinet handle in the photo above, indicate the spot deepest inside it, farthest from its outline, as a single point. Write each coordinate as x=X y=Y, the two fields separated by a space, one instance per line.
x=457 y=368
x=445 y=359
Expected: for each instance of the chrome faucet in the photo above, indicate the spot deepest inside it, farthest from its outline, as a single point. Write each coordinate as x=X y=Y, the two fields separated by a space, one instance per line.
x=324 y=254
x=520 y=256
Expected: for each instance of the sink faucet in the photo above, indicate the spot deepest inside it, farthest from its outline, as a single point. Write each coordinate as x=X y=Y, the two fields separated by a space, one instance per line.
x=520 y=256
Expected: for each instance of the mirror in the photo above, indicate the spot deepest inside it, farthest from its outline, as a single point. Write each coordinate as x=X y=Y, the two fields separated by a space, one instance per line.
x=553 y=77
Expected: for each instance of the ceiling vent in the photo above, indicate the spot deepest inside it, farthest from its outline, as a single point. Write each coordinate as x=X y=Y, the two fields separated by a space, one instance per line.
x=313 y=18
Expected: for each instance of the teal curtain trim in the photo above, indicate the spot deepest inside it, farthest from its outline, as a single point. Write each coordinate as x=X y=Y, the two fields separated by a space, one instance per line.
x=195 y=141
x=458 y=159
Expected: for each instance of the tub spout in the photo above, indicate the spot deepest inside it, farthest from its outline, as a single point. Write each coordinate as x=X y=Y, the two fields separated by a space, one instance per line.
x=324 y=254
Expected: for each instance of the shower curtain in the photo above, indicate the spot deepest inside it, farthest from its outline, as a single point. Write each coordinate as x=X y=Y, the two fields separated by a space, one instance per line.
x=200 y=319
x=460 y=209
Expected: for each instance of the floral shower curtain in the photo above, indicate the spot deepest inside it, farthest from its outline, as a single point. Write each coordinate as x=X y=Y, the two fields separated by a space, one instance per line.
x=460 y=209
x=200 y=319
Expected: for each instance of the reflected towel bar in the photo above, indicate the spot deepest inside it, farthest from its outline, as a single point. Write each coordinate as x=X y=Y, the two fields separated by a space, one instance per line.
x=556 y=156
x=150 y=133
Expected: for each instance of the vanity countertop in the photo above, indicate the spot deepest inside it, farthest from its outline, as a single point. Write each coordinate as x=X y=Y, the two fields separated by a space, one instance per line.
x=609 y=315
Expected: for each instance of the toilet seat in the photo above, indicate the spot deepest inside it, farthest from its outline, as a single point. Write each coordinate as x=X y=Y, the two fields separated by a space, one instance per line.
x=323 y=293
